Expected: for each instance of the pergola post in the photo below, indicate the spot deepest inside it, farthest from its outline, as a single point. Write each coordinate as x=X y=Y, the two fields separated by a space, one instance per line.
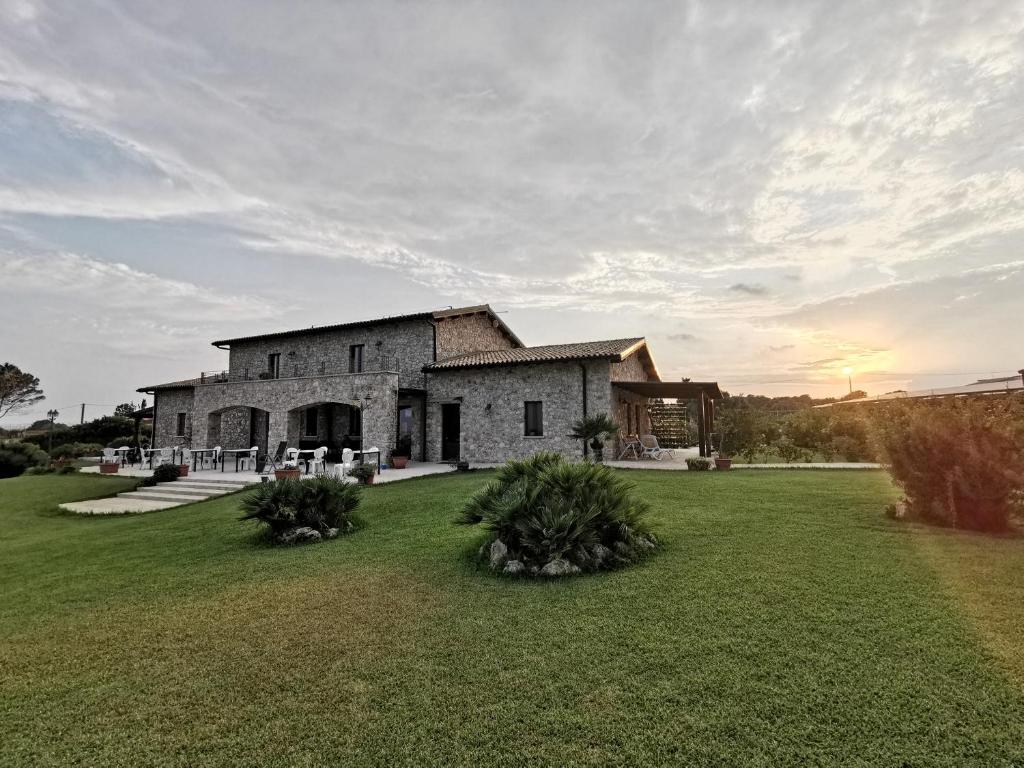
x=702 y=440
x=710 y=429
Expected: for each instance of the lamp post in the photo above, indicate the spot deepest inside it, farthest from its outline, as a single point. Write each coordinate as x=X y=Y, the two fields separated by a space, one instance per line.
x=848 y=372
x=52 y=414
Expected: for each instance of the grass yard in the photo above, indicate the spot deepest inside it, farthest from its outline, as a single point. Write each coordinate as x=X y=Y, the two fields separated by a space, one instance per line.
x=786 y=622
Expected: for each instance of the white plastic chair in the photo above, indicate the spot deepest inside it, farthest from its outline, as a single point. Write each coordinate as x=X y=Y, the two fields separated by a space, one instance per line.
x=210 y=460
x=109 y=456
x=291 y=458
x=347 y=463
x=248 y=462
x=318 y=463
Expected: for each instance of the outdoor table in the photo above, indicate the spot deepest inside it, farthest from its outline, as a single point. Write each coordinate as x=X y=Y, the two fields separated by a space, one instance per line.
x=311 y=452
x=199 y=453
x=363 y=454
x=237 y=452
x=122 y=454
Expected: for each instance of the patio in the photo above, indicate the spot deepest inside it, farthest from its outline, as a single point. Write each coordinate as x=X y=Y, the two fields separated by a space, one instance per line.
x=413 y=469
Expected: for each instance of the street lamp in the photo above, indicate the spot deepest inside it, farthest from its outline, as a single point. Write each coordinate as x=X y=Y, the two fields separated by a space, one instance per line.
x=52 y=414
x=848 y=373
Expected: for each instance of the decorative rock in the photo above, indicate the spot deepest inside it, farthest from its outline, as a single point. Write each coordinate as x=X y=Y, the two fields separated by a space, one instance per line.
x=331 y=533
x=600 y=553
x=302 y=535
x=647 y=542
x=622 y=548
x=514 y=568
x=498 y=554
x=559 y=567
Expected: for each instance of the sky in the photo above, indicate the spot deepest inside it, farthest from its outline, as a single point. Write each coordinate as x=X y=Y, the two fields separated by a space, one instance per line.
x=769 y=192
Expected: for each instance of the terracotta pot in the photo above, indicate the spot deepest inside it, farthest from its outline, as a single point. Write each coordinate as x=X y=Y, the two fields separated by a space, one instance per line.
x=399 y=462
x=183 y=470
x=723 y=464
x=109 y=469
x=287 y=474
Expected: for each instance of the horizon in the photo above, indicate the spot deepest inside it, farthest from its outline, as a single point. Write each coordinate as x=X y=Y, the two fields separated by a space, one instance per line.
x=769 y=194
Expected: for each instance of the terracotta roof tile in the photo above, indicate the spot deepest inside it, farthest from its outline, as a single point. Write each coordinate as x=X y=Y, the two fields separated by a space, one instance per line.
x=586 y=350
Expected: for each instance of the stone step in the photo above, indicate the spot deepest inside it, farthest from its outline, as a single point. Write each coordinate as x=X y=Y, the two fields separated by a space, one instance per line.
x=204 y=487
x=181 y=498
x=218 y=481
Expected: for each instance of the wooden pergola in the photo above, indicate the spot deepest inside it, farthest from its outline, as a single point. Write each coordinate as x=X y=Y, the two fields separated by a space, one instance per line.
x=703 y=392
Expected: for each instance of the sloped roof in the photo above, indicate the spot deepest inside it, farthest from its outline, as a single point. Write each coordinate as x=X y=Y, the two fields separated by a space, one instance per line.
x=614 y=350
x=183 y=384
x=433 y=315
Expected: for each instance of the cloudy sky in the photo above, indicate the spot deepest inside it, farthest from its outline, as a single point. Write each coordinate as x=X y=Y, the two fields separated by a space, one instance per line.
x=769 y=191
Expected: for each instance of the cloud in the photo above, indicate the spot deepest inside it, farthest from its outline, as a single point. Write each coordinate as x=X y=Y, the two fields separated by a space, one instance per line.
x=751 y=289
x=539 y=157
x=682 y=337
x=782 y=347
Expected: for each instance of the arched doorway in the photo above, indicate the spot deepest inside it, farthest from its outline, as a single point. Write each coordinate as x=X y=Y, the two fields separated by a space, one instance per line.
x=239 y=426
x=335 y=425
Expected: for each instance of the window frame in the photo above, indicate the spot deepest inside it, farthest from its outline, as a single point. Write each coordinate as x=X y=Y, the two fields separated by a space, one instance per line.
x=538 y=417
x=356 y=361
x=181 y=425
x=274 y=365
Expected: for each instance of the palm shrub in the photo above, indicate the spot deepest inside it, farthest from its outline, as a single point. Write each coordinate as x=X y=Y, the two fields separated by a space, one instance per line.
x=544 y=515
x=294 y=509
x=959 y=462
x=594 y=430
x=16 y=457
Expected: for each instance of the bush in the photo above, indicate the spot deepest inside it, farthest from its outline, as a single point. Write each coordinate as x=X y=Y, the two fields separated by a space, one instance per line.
x=698 y=464
x=790 y=452
x=16 y=457
x=39 y=471
x=363 y=472
x=959 y=462
x=119 y=442
x=166 y=473
x=76 y=450
x=323 y=504
x=549 y=517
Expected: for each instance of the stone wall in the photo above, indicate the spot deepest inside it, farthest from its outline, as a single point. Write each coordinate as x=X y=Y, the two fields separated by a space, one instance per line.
x=469 y=333
x=624 y=404
x=406 y=345
x=492 y=408
x=285 y=400
x=169 y=403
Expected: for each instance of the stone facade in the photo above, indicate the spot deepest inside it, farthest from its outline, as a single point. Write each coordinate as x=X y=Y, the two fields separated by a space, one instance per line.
x=469 y=333
x=403 y=347
x=245 y=409
x=492 y=409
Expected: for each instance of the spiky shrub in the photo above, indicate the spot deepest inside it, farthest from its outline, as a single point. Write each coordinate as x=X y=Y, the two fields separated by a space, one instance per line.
x=959 y=462
x=323 y=503
x=698 y=464
x=544 y=511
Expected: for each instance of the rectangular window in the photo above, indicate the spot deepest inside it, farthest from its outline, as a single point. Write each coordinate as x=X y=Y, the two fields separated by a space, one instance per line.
x=274 y=365
x=534 y=419
x=312 y=421
x=355 y=358
x=181 y=425
x=639 y=422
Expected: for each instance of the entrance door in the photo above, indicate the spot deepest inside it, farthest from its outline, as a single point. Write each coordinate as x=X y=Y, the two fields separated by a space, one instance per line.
x=451 y=425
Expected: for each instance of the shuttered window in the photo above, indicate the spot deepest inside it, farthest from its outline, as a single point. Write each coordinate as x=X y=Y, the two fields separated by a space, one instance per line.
x=534 y=419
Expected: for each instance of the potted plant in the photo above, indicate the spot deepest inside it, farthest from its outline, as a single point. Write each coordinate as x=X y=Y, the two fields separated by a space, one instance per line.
x=400 y=456
x=287 y=473
x=723 y=460
x=109 y=467
x=594 y=430
x=183 y=470
x=364 y=473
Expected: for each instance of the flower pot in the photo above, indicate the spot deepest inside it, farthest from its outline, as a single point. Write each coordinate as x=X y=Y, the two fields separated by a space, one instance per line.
x=399 y=462
x=287 y=474
x=109 y=468
x=183 y=470
x=723 y=464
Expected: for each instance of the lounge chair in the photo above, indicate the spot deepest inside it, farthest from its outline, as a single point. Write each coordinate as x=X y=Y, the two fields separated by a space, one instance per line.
x=631 y=445
x=278 y=459
x=651 y=449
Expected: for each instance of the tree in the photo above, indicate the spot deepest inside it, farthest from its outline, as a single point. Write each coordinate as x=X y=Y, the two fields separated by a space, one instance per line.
x=125 y=409
x=19 y=390
x=857 y=394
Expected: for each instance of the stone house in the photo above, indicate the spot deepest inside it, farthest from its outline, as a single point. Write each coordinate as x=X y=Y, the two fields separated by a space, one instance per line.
x=437 y=386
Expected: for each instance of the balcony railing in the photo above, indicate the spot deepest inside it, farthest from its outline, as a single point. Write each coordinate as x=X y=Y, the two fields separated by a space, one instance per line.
x=288 y=370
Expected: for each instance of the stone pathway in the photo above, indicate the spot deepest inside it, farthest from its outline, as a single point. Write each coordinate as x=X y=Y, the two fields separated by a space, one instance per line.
x=187 y=490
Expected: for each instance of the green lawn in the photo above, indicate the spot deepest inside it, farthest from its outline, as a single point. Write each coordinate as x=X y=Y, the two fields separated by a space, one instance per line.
x=786 y=622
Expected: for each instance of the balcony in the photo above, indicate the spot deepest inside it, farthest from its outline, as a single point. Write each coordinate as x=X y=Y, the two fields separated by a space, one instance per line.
x=288 y=370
